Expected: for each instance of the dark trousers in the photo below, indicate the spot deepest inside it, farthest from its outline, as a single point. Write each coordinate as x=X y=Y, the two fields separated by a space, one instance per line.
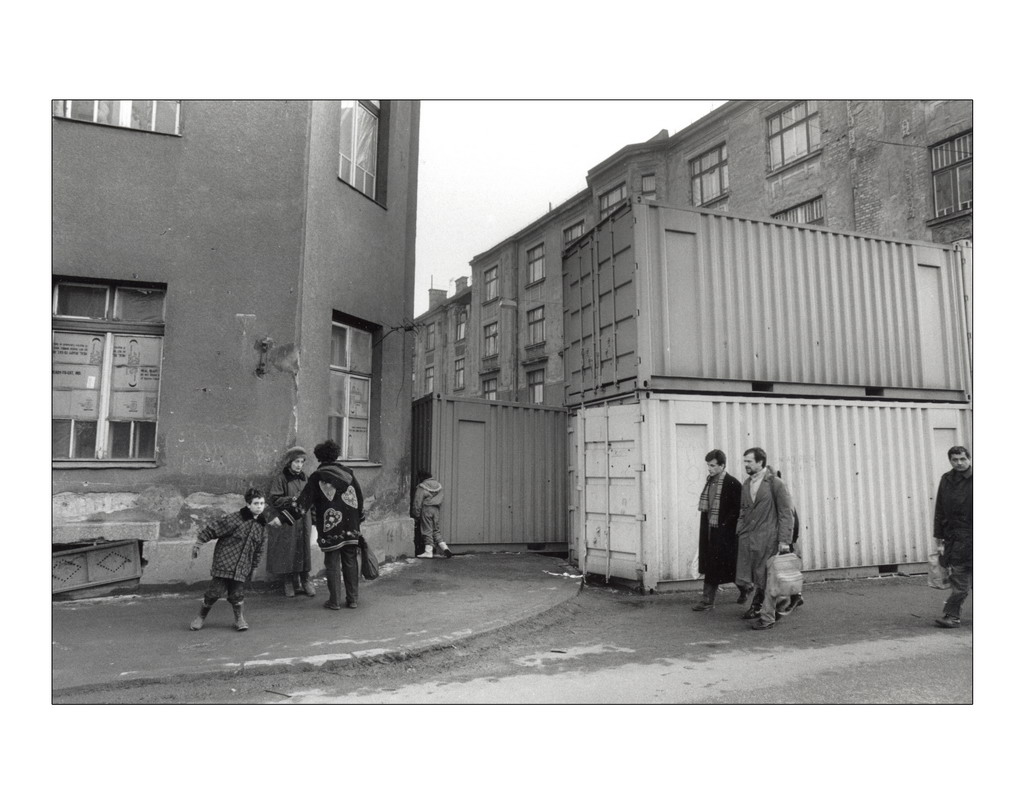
x=220 y=587
x=960 y=577
x=342 y=564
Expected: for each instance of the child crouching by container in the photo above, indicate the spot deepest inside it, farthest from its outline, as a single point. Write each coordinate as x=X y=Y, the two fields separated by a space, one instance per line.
x=426 y=509
x=241 y=538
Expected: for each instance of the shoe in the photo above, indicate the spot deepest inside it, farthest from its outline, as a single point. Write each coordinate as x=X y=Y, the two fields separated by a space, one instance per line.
x=428 y=553
x=703 y=606
x=750 y=614
x=352 y=605
x=785 y=609
x=289 y=591
x=240 y=624
x=308 y=588
x=744 y=595
x=197 y=624
x=799 y=602
x=331 y=605
x=948 y=622
x=448 y=554
x=761 y=626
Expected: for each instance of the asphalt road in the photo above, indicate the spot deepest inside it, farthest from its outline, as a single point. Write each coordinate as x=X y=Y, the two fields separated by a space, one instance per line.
x=865 y=641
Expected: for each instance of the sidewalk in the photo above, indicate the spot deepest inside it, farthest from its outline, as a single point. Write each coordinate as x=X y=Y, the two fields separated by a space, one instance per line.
x=414 y=606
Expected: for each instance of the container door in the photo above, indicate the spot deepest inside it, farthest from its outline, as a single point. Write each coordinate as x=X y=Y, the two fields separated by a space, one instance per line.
x=469 y=489
x=611 y=508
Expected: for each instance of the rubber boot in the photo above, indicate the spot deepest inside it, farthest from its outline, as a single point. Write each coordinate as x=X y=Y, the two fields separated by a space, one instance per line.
x=289 y=586
x=240 y=624
x=198 y=621
x=428 y=553
x=307 y=585
x=444 y=550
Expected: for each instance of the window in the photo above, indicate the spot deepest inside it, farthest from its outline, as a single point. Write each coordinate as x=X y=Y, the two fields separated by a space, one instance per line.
x=793 y=133
x=430 y=337
x=535 y=386
x=570 y=233
x=709 y=175
x=163 y=117
x=535 y=263
x=535 y=325
x=648 y=186
x=107 y=348
x=460 y=373
x=490 y=388
x=357 y=164
x=348 y=420
x=491 y=339
x=460 y=324
x=491 y=284
x=607 y=202
x=953 y=175
x=428 y=379
x=810 y=212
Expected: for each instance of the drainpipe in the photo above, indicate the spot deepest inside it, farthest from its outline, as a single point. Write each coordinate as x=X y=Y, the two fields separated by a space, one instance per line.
x=607 y=493
x=960 y=250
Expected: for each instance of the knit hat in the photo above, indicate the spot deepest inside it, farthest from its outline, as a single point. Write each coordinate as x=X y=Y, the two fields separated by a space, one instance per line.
x=334 y=475
x=293 y=453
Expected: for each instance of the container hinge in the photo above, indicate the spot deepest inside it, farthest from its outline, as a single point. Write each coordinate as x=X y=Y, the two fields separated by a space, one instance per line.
x=641 y=518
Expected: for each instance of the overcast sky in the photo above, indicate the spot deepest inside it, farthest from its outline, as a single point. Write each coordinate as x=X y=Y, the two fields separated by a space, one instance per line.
x=489 y=168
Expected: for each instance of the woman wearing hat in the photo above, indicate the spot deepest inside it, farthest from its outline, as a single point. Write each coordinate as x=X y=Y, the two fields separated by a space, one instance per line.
x=288 y=551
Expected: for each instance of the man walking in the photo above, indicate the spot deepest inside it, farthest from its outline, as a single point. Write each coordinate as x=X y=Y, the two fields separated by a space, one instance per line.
x=719 y=507
x=765 y=527
x=954 y=530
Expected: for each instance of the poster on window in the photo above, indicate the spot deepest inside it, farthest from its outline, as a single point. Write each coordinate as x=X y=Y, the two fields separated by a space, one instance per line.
x=75 y=404
x=136 y=350
x=132 y=405
x=72 y=376
x=358 y=438
x=136 y=378
x=359 y=397
x=77 y=348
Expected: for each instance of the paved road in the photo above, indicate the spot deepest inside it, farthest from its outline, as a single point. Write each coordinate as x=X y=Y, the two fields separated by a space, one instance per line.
x=867 y=641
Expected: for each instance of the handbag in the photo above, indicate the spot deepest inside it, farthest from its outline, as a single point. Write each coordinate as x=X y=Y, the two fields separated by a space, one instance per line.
x=938 y=574
x=369 y=566
x=785 y=576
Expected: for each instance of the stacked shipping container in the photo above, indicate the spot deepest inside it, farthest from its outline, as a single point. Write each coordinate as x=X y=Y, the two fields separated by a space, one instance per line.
x=845 y=357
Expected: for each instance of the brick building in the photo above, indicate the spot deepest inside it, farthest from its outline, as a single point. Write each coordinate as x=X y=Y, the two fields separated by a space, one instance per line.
x=895 y=169
x=218 y=269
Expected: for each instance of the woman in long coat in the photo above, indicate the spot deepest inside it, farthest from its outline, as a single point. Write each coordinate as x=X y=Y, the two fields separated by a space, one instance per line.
x=719 y=510
x=288 y=552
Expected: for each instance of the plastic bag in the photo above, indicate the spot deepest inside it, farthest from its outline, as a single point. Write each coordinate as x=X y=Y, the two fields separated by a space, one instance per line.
x=369 y=566
x=938 y=576
x=785 y=576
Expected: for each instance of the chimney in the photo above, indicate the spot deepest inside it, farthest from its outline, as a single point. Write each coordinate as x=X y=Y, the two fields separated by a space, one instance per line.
x=435 y=297
x=461 y=283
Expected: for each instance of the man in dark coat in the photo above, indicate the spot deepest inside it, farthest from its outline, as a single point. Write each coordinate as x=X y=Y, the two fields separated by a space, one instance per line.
x=954 y=530
x=719 y=509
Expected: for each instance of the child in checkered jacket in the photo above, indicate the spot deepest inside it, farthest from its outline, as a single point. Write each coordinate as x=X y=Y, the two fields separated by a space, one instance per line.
x=241 y=537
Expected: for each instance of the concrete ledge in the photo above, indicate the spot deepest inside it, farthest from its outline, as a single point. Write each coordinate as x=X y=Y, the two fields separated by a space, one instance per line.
x=103 y=531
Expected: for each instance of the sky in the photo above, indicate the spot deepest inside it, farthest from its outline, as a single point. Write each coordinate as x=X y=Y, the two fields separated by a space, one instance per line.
x=489 y=168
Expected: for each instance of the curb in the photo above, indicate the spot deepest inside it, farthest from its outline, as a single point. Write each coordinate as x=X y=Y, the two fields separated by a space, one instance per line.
x=322 y=662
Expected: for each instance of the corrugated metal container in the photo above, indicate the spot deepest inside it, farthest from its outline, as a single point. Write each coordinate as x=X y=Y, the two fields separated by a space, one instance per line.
x=503 y=466
x=863 y=476
x=662 y=298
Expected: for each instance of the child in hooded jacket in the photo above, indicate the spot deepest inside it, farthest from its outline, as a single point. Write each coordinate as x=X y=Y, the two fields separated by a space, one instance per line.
x=426 y=508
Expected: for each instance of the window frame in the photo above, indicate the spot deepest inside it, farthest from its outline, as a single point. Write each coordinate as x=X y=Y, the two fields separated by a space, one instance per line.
x=792 y=214
x=957 y=145
x=811 y=111
x=570 y=233
x=649 y=194
x=339 y=427
x=428 y=379
x=459 y=373
x=533 y=272
x=64 y=109
x=108 y=329
x=431 y=338
x=461 y=322
x=606 y=204
x=718 y=169
x=532 y=386
x=490 y=284
x=490 y=333
x=535 y=323
x=489 y=388
x=352 y=159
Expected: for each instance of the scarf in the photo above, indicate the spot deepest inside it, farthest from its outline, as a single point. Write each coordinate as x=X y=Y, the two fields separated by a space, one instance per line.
x=709 y=498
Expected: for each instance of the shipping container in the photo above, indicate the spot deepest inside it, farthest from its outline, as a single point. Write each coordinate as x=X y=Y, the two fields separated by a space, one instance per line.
x=674 y=299
x=863 y=476
x=503 y=466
